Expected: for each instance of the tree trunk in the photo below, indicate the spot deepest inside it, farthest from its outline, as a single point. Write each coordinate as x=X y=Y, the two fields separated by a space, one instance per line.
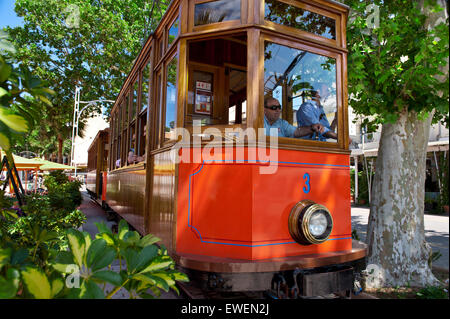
x=60 y=147
x=398 y=251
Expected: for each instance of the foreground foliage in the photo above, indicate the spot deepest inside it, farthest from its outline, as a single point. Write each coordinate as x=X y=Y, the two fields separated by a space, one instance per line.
x=43 y=255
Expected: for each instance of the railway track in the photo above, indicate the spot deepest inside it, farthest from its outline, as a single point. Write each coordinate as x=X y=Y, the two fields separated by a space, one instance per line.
x=191 y=292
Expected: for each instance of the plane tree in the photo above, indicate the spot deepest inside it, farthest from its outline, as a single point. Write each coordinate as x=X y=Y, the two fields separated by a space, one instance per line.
x=84 y=43
x=398 y=76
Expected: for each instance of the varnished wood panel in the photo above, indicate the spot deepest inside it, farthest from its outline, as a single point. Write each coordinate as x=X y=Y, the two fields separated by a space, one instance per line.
x=161 y=221
x=125 y=194
x=90 y=180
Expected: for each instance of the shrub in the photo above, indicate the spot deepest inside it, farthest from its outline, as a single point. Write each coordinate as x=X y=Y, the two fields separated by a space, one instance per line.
x=62 y=193
x=84 y=270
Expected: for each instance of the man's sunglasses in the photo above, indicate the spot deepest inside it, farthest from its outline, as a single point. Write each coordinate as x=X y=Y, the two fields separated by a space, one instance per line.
x=273 y=107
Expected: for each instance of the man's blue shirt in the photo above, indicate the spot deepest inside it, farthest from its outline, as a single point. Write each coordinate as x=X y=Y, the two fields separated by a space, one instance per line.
x=283 y=128
x=310 y=113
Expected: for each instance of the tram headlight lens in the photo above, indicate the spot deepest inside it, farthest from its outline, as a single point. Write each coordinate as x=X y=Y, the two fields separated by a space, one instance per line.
x=310 y=223
x=318 y=223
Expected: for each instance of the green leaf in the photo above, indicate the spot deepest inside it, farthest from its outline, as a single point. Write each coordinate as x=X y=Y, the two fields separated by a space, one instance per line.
x=131 y=238
x=123 y=228
x=4 y=142
x=87 y=240
x=145 y=256
x=77 y=245
x=36 y=283
x=19 y=256
x=160 y=262
x=109 y=238
x=103 y=228
x=10 y=284
x=178 y=276
x=99 y=255
x=57 y=286
x=95 y=250
x=14 y=121
x=148 y=240
x=5 y=71
x=153 y=280
x=130 y=256
x=108 y=276
x=90 y=290
x=5 y=44
x=3 y=92
x=5 y=256
x=62 y=260
x=166 y=277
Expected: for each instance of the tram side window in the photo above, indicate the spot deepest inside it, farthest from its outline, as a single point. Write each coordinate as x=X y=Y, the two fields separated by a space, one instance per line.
x=132 y=149
x=173 y=32
x=142 y=120
x=304 y=85
x=170 y=117
x=111 y=142
x=217 y=88
x=292 y=16
x=217 y=11
x=134 y=106
x=117 y=136
x=124 y=138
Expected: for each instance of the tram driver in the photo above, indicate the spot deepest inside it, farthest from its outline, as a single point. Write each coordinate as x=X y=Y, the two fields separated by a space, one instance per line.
x=272 y=111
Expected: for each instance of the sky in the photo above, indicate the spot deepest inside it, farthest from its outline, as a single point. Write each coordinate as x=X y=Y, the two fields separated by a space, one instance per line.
x=7 y=15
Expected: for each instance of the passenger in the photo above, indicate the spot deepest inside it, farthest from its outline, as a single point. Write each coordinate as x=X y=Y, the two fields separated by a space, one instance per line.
x=311 y=112
x=131 y=156
x=142 y=158
x=272 y=111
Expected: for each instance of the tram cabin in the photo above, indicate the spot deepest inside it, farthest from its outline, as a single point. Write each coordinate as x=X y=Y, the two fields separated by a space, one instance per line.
x=213 y=150
x=98 y=165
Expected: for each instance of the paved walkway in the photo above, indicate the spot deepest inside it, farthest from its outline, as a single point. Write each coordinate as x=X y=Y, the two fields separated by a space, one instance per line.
x=95 y=214
x=436 y=232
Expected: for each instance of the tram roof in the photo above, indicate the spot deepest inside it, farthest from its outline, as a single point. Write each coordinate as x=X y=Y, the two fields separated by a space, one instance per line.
x=157 y=30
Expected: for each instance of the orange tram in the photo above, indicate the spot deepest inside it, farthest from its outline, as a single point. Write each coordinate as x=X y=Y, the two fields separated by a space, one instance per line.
x=203 y=150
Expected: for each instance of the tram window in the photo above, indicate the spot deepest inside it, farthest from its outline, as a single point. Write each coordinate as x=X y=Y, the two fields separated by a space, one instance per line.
x=170 y=117
x=132 y=145
x=135 y=100
x=217 y=88
x=145 y=87
x=125 y=107
x=292 y=16
x=159 y=100
x=305 y=85
x=160 y=47
x=119 y=134
x=112 y=139
x=142 y=137
x=173 y=32
x=217 y=11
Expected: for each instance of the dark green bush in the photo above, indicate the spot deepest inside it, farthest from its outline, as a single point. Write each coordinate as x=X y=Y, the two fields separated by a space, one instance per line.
x=62 y=193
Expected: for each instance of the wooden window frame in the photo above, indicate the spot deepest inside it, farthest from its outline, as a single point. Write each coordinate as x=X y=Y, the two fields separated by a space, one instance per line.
x=158 y=77
x=169 y=25
x=210 y=69
x=342 y=127
x=218 y=25
x=145 y=112
x=162 y=118
x=305 y=34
